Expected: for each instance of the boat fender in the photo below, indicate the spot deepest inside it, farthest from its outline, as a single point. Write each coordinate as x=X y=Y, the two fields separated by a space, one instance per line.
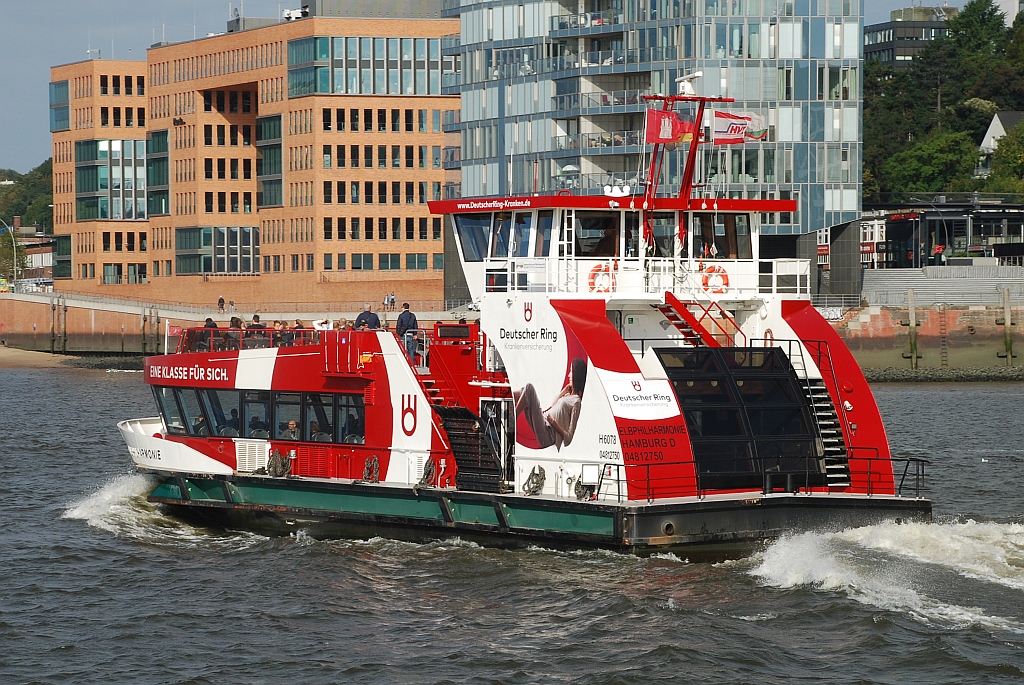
x=426 y=479
x=371 y=472
x=534 y=482
x=715 y=279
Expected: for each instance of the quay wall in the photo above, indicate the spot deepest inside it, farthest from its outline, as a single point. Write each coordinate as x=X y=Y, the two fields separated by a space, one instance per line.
x=962 y=336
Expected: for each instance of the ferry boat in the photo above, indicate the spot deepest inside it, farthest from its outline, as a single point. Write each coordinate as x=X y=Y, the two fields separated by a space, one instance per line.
x=641 y=378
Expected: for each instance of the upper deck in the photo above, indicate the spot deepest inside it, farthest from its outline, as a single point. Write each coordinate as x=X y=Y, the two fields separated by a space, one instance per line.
x=613 y=247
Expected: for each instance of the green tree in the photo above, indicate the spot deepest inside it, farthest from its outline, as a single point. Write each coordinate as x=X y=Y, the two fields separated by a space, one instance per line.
x=933 y=164
x=1008 y=158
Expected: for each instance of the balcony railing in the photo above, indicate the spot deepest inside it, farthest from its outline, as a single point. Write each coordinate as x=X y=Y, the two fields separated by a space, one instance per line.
x=451 y=41
x=601 y=142
x=586 y=20
x=619 y=98
x=585 y=60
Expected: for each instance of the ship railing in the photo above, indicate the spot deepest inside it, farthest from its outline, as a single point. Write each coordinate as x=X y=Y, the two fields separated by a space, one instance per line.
x=878 y=468
x=227 y=339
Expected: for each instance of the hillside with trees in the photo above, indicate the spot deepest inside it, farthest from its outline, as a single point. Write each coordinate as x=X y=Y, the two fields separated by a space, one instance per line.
x=923 y=124
x=29 y=196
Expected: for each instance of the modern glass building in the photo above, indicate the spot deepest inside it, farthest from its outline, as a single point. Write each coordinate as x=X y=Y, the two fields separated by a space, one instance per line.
x=552 y=97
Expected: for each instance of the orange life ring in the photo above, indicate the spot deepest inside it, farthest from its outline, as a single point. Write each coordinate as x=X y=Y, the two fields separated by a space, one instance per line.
x=602 y=279
x=715 y=280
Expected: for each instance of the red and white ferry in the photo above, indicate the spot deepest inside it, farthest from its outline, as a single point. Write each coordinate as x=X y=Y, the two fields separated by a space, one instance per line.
x=640 y=379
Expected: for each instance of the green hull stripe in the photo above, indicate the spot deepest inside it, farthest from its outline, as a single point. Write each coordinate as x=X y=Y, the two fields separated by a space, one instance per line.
x=474 y=512
x=549 y=518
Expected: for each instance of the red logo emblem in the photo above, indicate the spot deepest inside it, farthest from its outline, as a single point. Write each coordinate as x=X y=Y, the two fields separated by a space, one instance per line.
x=637 y=386
x=528 y=311
x=408 y=412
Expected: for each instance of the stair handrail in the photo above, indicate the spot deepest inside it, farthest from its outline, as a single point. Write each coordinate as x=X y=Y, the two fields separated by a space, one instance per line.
x=826 y=355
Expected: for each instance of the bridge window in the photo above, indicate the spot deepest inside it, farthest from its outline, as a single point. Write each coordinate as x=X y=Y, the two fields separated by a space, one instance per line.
x=193 y=412
x=500 y=235
x=597 y=234
x=521 y=234
x=545 y=219
x=474 y=232
x=664 y=225
x=721 y=236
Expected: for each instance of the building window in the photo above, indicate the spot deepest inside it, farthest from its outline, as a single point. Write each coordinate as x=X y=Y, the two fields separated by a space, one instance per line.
x=327 y=119
x=423 y=229
x=416 y=261
x=220 y=100
x=141 y=118
x=208 y=134
x=328 y=261
x=436 y=227
x=103 y=85
x=209 y=203
x=341 y=156
x=221 y=169
x=342 y=229
x=127 y=85
x=368 y=192
x=247 y=169
x=389 y=261
x=234 y=203
x=140 y=86
x=327 y=156
x=221 y=130
x=117 y=116
x=422 y=120
x=328 y=186
x=233 y=132
x=341 y=262
x=408 y=121
x=309 y=262
x=222 y=202
x=382 y=192
x=234 y=169
x=104 y=116
x=409 y=158
x=266 y=264
x=410 y=228
x=382 y=229
x=396 y=193
x=117 y=85
x=247 y=203
x=328 y=228
x=233 y=101
x=396 y=157
x=295 y=262
x=277 y=262
x=106 y=241
x=382 y=120
x=438 y=261
x=382 y=156
x=129 y=116
x=362 y=262
x=341 y=192
x=396 y=228
x=355 y=228
x=246 y=102
x=355 y=156
x=410 y=197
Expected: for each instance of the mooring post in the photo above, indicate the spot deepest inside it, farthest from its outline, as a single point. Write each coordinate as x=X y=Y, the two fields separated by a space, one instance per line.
x=913 y=329
x=1007 y=335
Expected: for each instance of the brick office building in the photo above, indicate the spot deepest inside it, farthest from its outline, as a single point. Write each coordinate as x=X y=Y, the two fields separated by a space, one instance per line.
x=290 y=162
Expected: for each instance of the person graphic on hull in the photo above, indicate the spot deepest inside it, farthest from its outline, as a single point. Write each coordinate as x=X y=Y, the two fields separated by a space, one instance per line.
x=555 y=425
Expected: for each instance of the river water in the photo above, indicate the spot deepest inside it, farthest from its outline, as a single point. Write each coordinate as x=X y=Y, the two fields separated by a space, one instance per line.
x=98 y=587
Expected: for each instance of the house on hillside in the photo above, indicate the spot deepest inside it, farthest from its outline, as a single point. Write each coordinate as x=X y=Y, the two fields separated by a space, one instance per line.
x=1001 y=123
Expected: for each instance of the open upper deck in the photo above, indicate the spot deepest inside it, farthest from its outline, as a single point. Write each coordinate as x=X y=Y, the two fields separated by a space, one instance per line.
x=611 y=246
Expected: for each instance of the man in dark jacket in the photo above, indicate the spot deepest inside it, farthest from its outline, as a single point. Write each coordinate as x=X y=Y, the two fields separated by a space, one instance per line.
x=406 y=327
x=367 y=320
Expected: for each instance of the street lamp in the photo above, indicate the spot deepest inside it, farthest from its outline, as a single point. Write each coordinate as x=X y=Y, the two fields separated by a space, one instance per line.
x=14 y=256
x=942 y=218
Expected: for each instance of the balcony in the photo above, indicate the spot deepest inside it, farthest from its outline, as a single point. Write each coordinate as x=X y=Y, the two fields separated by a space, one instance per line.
x=614 y=142
x=450 y=42
x=586 y=20
x=626 y=99
x=452 y=157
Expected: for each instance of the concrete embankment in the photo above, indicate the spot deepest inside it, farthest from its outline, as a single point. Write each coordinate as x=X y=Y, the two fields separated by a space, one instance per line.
x=966 y=337
x=971 y=375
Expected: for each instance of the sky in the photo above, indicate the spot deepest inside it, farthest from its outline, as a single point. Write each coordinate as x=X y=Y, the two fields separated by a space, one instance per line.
x=38 y=34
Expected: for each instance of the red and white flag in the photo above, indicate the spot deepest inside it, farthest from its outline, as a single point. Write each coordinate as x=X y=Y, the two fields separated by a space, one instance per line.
x=665 y=127
x=741 y=127
x=173 y=331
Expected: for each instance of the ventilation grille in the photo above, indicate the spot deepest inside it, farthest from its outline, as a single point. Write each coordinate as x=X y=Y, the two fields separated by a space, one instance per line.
x=250 y=455
x=314 y=461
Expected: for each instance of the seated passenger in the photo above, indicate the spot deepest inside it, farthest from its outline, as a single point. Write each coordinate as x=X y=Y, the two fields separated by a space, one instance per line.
x=292 y=432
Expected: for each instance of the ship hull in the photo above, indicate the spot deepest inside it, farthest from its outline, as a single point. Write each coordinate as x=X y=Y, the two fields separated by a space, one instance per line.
x=711 y=527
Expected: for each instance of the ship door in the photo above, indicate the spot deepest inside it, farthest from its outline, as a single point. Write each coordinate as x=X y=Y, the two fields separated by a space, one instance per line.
x=498 y=417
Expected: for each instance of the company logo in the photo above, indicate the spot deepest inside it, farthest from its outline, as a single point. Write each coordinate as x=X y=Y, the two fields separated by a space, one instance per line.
x=637 y=386
x=528 y=311
x=408 y=414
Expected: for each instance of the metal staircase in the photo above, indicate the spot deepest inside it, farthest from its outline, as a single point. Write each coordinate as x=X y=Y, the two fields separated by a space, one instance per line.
x=834 y=455
x=477 y=463
x=724 y=329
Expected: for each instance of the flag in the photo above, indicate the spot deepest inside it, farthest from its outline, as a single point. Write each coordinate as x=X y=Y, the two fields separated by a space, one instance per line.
x=741 y=127
x=173 y=331
x=664 y=127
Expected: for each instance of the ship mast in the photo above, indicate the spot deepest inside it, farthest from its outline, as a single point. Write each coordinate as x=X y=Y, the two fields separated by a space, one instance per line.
x=686 y=94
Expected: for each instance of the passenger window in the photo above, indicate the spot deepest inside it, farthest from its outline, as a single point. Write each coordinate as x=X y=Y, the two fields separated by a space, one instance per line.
x=173 y=422
x=544 y=222
x=319 y=412
x=597 y=234
x=287 y=408
x=474 y=232
x=500 y=235
x=521 y=235
x=194 y=419
x=257 y=414
x=222 y=406
x=351 y=419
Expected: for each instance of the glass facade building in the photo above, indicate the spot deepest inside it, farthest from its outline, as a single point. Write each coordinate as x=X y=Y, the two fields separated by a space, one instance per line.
x=552 y=97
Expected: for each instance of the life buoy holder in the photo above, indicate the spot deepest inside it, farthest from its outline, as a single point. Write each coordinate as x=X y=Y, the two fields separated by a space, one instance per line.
x=769 y=338
x=602 y=279
x=715 y=280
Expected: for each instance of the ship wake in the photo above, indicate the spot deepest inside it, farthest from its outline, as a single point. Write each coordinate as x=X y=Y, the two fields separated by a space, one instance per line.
x=942 y=574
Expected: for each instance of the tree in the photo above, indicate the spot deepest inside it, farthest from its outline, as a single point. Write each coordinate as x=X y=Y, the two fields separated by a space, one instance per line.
x=933 y=164
x=6 y=250
x=1008 y=157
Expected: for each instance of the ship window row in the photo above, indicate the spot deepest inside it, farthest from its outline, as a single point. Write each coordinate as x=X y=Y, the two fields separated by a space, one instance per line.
x=263 y=414
x=598 y=234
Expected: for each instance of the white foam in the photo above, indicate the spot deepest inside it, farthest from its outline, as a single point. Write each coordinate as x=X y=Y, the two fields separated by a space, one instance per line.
x=839 y=563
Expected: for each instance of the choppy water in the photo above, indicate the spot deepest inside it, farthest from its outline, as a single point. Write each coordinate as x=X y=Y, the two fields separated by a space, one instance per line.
x=98 y=587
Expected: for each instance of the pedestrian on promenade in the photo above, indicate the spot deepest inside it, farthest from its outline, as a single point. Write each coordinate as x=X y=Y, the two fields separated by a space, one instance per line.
x=220 y=303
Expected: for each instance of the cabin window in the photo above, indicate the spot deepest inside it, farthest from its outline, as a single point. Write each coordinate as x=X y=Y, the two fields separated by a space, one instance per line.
x=545 y=219
x=256 y=415
x=319 y=415
x=474 y=231
x=521 y=234
x=194 y=419
x=632 y=228
x=223 y=408
x=287 y=408
x=500 y=235
x=664 y=225
x=721 y=236
x=169 y=410
x=597 y=234
x=351 y=419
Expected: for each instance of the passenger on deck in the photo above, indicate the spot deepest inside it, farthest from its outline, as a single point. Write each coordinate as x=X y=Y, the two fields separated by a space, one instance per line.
x=210 y=323
x=367 y=320
x=292 y=432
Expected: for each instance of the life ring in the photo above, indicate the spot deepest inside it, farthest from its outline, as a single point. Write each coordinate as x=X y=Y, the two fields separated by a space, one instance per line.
x=715 y=280
x=602 y=279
